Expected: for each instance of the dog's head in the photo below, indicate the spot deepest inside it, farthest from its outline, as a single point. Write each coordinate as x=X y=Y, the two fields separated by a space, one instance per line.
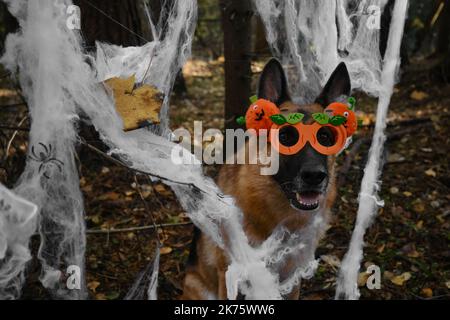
x=304 y=177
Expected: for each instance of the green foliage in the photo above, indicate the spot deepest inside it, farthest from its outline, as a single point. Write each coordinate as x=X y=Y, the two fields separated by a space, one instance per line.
x=321 y=118
x=278 y=119
x=241 y=120
x=337 y=120
x=295 y=118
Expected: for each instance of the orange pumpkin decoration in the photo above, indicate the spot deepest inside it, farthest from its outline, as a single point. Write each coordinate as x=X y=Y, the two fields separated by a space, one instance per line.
x=259 y=113
x=341 y=109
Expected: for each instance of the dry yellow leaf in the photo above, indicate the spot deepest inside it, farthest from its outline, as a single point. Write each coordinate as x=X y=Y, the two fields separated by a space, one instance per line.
x=419 y=95
x=93 y=285
x=430 y=173
x=362 y=278
x=165 y=250
x=388 y=275
x=394 y=190
x=401 y=279
x=100 y=296
x=112 y=196
x=380 y=249
x=419 y=207
x=413 y=254
x=136 y=106
x=161 y=189
x=427 y=292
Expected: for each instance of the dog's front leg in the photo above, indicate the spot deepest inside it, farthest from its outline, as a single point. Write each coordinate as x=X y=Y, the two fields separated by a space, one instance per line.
x=222 y=288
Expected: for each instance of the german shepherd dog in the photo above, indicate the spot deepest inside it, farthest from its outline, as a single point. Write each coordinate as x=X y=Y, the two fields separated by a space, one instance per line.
x=303 y=187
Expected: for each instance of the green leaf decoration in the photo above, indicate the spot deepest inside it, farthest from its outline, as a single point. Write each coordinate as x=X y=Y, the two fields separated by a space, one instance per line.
x=321 y=118
x=240 y=121
x=360 y=122
x=253 y=99
x=337 y=120
x=352 y=102
x=278 y=119
x=295 y=118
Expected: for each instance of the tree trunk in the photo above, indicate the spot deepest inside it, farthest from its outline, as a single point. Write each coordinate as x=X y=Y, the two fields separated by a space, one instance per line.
x=236 y=21
x=120 y=22
x=8 y=22
x=443 y=37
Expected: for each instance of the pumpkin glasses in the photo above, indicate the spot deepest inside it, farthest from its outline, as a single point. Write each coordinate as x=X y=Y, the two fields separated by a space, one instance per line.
x=327 y=135
x=290 y=139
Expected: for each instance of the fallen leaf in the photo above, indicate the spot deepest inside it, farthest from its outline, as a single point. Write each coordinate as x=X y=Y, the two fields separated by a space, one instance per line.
x=136 y=106
x=410 y=251
x=401 y=279
x=112 y=196
x=418 y=95
x=388 y=275
x=418 y=206
x=393 y=190
x=427 y=292
x=100 y=296
x=431 y=173
x=407 y=194
x=105 y=170
x=435 y=204
x=129 y=193
x=395 y=157
x=419 y=225
x=96 y=219
x=161 y=189
x=447 y=284
x=93 y=285
x=362 y=278
x=414 y=254
x=380 y=249
x=87 y=188
x=165 y=250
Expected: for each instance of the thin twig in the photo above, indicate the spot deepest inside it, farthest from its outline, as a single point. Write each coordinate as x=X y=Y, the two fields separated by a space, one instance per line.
x=130 y=229
x=115 y=21
x=147 y=209
x=157 y=199
x=8 y=146
x=136 y=229
x=118 y=162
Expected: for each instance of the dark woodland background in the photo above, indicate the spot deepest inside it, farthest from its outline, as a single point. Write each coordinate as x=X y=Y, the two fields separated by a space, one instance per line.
x=411 y=236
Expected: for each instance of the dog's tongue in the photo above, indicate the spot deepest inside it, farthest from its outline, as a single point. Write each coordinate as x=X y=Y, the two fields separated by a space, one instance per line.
x=308 y=197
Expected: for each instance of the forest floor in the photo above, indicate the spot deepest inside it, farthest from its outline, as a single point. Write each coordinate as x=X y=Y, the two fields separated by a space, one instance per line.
x=409 y=240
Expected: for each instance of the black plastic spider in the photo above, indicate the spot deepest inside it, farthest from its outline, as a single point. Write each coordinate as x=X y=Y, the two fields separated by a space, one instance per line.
x=46 y=158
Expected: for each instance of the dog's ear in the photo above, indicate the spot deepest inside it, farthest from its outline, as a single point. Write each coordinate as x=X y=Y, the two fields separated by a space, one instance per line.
x=338 y=85
x=273 y=84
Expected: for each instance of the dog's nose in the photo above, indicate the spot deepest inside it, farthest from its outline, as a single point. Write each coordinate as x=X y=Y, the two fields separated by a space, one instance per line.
x=312 y=178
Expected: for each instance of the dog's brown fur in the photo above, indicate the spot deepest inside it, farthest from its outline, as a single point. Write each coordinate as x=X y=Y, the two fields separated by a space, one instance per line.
x=264 y=206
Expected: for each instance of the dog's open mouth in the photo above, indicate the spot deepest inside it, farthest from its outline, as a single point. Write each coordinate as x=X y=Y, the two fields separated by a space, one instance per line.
x=308 y=200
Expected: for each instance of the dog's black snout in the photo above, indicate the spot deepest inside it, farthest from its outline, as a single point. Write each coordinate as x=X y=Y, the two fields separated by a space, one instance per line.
x=313 y=178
